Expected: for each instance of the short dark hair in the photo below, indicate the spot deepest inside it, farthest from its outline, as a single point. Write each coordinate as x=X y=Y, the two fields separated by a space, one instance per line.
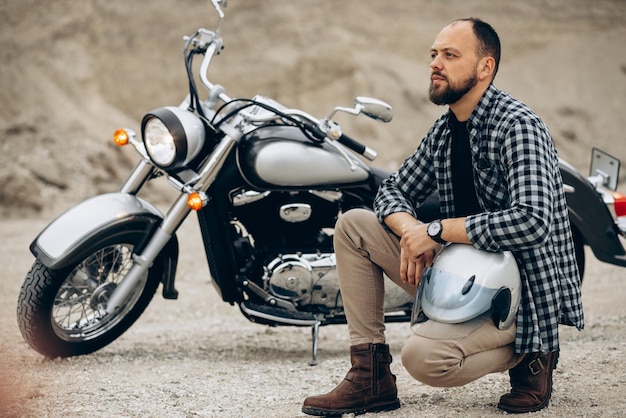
x=488 y=40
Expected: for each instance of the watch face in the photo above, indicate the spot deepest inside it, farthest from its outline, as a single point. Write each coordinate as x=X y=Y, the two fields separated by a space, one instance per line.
x=434 y=228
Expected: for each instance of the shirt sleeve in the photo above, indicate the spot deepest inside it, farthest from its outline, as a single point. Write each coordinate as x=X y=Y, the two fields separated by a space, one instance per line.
x=407 y=187
x=529 y=164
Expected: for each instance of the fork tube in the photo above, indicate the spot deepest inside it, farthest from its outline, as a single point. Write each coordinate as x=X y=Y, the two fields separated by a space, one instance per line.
x=174 y=218
x=138 y=177
x=215 y=163
x=142 y=262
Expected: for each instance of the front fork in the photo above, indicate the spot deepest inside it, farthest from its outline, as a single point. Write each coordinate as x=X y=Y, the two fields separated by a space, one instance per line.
x=139 y=176
x=171 y=222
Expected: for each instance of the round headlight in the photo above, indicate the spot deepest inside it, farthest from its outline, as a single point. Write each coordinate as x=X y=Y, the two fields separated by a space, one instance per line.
x=172 y=136
x=159 y=142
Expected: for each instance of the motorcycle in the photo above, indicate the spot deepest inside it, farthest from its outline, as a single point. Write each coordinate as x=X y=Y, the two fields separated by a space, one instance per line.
x=267 y=183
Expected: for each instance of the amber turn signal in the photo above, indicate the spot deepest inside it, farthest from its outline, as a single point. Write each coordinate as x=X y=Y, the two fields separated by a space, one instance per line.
x=120 y=137
x=196 y=200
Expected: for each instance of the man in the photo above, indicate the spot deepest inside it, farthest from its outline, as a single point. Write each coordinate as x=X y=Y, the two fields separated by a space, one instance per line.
x=496 y=170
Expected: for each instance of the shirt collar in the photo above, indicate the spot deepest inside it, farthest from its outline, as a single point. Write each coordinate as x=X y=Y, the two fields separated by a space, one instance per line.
x=480 y=112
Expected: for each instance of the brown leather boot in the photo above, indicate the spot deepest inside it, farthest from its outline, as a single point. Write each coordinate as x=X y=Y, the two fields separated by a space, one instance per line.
x=531 y=384
x=369 y=385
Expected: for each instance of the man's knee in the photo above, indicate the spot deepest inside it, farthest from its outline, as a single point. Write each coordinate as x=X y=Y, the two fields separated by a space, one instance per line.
x=355 y=224
x=355 y=218
x=430 y=363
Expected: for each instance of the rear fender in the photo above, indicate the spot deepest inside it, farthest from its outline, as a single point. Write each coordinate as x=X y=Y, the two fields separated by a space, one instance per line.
x=99 y=220
x=591 y=217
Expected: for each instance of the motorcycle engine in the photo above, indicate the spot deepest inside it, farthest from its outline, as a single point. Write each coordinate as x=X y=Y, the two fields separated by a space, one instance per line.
x=305 y=279
x=284 y=241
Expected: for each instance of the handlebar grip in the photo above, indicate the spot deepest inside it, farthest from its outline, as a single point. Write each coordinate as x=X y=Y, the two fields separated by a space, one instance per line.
x=357 y=147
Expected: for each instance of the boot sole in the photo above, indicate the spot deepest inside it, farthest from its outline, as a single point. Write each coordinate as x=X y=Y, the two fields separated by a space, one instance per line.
x=534 y=408
x=387 y=406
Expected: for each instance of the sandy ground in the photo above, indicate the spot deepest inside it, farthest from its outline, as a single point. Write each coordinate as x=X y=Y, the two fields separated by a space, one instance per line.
x=72 y=72
x=199 y=357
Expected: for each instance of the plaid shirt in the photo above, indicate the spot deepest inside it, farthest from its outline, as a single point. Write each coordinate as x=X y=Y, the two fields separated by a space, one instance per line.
x=520 y=190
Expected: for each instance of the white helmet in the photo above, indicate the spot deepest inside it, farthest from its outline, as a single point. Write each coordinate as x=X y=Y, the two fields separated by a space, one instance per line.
x=464 y=283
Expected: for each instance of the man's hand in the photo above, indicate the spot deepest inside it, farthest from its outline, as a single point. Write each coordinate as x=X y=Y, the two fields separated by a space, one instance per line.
x=416 y=247
x=417 y=250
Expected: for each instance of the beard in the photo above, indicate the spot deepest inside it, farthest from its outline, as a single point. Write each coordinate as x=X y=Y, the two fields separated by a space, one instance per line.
x=451 y=94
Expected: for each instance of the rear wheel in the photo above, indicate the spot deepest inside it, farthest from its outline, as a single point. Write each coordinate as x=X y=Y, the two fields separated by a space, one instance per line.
x=61 y=313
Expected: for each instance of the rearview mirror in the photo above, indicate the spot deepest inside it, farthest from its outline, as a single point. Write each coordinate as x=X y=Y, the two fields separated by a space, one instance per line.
x=374 y=108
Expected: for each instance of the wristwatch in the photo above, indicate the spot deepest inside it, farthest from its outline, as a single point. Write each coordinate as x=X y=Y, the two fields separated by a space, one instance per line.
x=434 y=230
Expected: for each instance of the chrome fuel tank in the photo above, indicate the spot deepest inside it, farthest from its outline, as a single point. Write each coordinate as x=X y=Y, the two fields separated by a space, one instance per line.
x=283 y=156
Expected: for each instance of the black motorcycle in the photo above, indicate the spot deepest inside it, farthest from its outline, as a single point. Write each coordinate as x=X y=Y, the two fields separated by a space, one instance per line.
x=267 y=183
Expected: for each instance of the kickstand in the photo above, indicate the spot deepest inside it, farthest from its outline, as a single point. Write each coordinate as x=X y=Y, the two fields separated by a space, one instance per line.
x=315 y=332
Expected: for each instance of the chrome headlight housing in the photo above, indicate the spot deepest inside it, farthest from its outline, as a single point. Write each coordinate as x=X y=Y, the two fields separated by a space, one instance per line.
x=172 y=136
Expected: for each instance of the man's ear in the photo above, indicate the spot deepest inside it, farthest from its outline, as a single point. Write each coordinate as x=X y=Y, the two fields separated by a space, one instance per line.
x=486 y=68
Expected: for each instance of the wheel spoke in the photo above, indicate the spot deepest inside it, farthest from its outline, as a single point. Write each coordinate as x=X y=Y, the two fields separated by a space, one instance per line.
x=78 y=310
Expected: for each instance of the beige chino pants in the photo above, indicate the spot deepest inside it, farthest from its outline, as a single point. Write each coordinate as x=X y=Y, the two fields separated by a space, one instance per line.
x=436 y=354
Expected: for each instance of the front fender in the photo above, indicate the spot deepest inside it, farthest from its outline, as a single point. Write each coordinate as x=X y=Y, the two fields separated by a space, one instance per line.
x=66 y=238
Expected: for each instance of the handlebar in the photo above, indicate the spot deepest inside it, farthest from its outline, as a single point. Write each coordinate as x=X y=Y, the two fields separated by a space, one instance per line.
x=310 y=123
x=345 y=140
x=357 y=147
x=313 y=125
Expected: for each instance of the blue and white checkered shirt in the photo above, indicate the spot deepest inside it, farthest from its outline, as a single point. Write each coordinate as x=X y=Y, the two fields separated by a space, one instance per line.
x=520 y=191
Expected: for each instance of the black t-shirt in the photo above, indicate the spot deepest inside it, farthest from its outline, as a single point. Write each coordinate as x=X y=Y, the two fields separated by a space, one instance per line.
x=465 y=200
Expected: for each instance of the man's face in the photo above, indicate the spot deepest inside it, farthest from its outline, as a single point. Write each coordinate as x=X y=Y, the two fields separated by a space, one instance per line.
x=454 y=65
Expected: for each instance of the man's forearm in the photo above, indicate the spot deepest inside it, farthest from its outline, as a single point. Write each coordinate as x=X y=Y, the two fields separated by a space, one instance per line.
x=453 y=229
x=399 y=222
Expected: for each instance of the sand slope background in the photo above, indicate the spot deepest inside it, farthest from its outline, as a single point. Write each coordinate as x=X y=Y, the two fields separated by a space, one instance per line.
x=73 y=72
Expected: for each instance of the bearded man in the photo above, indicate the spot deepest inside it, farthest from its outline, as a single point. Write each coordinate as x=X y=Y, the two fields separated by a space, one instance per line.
x=494 y=165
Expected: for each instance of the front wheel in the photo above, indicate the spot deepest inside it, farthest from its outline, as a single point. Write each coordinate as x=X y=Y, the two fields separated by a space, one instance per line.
x=61 y=313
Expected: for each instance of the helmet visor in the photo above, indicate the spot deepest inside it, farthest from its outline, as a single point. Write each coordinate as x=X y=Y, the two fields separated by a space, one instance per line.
x=446 y=297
